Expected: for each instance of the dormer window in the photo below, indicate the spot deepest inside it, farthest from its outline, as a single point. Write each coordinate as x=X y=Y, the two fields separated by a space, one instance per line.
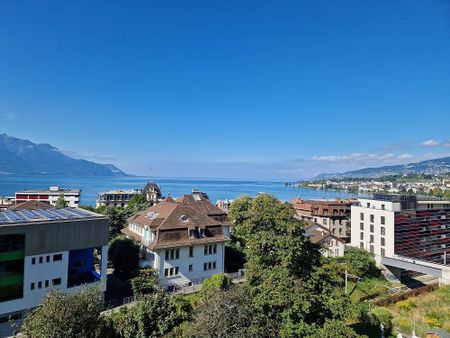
x=184 y=218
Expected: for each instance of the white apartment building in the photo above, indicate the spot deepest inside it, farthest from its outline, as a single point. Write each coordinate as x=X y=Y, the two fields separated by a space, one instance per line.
x=402 y=225
x=42 y=250
x=183 y=244
x=50 y=196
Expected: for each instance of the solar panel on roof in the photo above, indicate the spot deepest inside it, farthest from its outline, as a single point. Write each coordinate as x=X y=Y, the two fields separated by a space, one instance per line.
x=77 y=212
x=29 y=215
x=4 y=219
x=14 y=216
x=46 y=214
x=60 y=212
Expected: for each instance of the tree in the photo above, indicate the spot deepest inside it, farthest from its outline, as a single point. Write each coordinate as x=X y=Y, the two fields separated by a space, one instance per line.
x=361 y=262
x=65 y=315
x=224 y=314
x=335 y=328
x=239 y=213
x=124 y=256
x=117 y=221
x=145 y=283
x=153 y=316
x=234 y=255
x=381 y=315
x=215 y=284
x=61 y=202
x=137 y=204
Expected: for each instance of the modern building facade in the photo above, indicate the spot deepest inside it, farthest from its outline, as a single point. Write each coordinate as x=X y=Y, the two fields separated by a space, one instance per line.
x=48 y=249
x=332 y=214
x=403 y=226
x=183 y=244
x=116 y=198
x=50 y=196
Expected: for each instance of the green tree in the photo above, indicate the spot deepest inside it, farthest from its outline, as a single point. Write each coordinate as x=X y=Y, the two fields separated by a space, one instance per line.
x=153 y=316
x=137 y=204
x=215 y=284
x=239 y=213
x=334 y=329
x=65 y=315
x=124 y=256
x=145 y=283
x=117 y=221
x=224 y=314
x=61 y=202
x=361 y=262
x=381 y=315
x=234 y=255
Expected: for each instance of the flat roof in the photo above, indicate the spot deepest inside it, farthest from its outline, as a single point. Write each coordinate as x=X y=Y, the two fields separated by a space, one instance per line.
x=11 y=217
x=120 y=191
x=48 y=191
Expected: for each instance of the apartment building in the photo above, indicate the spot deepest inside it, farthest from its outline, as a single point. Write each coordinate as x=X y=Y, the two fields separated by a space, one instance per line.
x=152 y=192
x=402 y=226
x=332 y=214
x=183 y=244
x=116 y=198
x=48 y=249
x=50 y=196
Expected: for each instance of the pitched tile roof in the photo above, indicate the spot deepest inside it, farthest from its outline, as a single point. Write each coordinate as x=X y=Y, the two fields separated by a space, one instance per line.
x=30 y=205
x=199 y=202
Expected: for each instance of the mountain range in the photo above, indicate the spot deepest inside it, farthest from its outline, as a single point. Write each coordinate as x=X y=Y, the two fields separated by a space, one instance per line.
x=435 y=166
x=22 y=157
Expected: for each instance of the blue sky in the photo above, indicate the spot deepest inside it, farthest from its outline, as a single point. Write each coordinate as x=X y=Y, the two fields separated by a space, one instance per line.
x=238 y=89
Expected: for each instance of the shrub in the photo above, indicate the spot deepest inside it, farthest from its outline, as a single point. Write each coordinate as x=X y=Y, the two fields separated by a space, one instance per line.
x=383 y=316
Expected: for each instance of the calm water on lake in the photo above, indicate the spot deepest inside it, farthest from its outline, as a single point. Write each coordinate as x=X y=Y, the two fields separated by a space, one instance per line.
x=215 y=188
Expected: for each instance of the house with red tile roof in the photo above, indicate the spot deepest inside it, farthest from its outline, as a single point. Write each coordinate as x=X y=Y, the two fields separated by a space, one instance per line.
x=182 y=243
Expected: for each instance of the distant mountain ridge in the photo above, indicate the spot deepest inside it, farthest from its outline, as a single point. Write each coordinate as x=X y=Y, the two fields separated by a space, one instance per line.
x=22 y=157
x=434 y=166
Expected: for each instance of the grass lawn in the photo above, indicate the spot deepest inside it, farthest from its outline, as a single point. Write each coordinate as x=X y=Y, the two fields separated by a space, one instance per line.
x=431 y=310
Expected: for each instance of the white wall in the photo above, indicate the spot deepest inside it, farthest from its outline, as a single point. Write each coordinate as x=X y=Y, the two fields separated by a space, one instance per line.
x=388 y=226
x=199 y=258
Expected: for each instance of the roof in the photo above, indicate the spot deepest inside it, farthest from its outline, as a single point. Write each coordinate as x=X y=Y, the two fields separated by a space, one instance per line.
x=440 y=332
x=169 y=215
x=120 y=191
x=30 y=205
x=171 y=222
x=50 y=191
x=318 y=235
x=198 y=201
x=12 y=217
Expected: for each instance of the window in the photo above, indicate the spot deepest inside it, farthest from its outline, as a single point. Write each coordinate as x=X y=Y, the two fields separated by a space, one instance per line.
x=214 y=265
x=383 y=231
x=41 y=259
x=209 y=265
x=336 y=252
x=46 y=283
x=371 y=249
x=371 y=239
x=382 y=207
x=361 y=216
x=383 y=241
x=361 y=245
x=56 y=281
x=371 y=228
x=205 y=266
x=176 y=270
x=47 y=259
x=57 y=257
x=32 y=286
x=368 y=205
x=361 y=236
x=172 y=254
x=324 y=221
x=33 y=260
x=383 y=252
x=166 y=272
x=372 y=218
x=210 y=249
x=361 y=226
x=340 y=231
x=39 y=285
x=170 y=272
x=383 y=220
x=191 y=251
x=190 y=267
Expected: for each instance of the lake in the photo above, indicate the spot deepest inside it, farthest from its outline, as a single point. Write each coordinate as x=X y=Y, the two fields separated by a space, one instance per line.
x=215 y=188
